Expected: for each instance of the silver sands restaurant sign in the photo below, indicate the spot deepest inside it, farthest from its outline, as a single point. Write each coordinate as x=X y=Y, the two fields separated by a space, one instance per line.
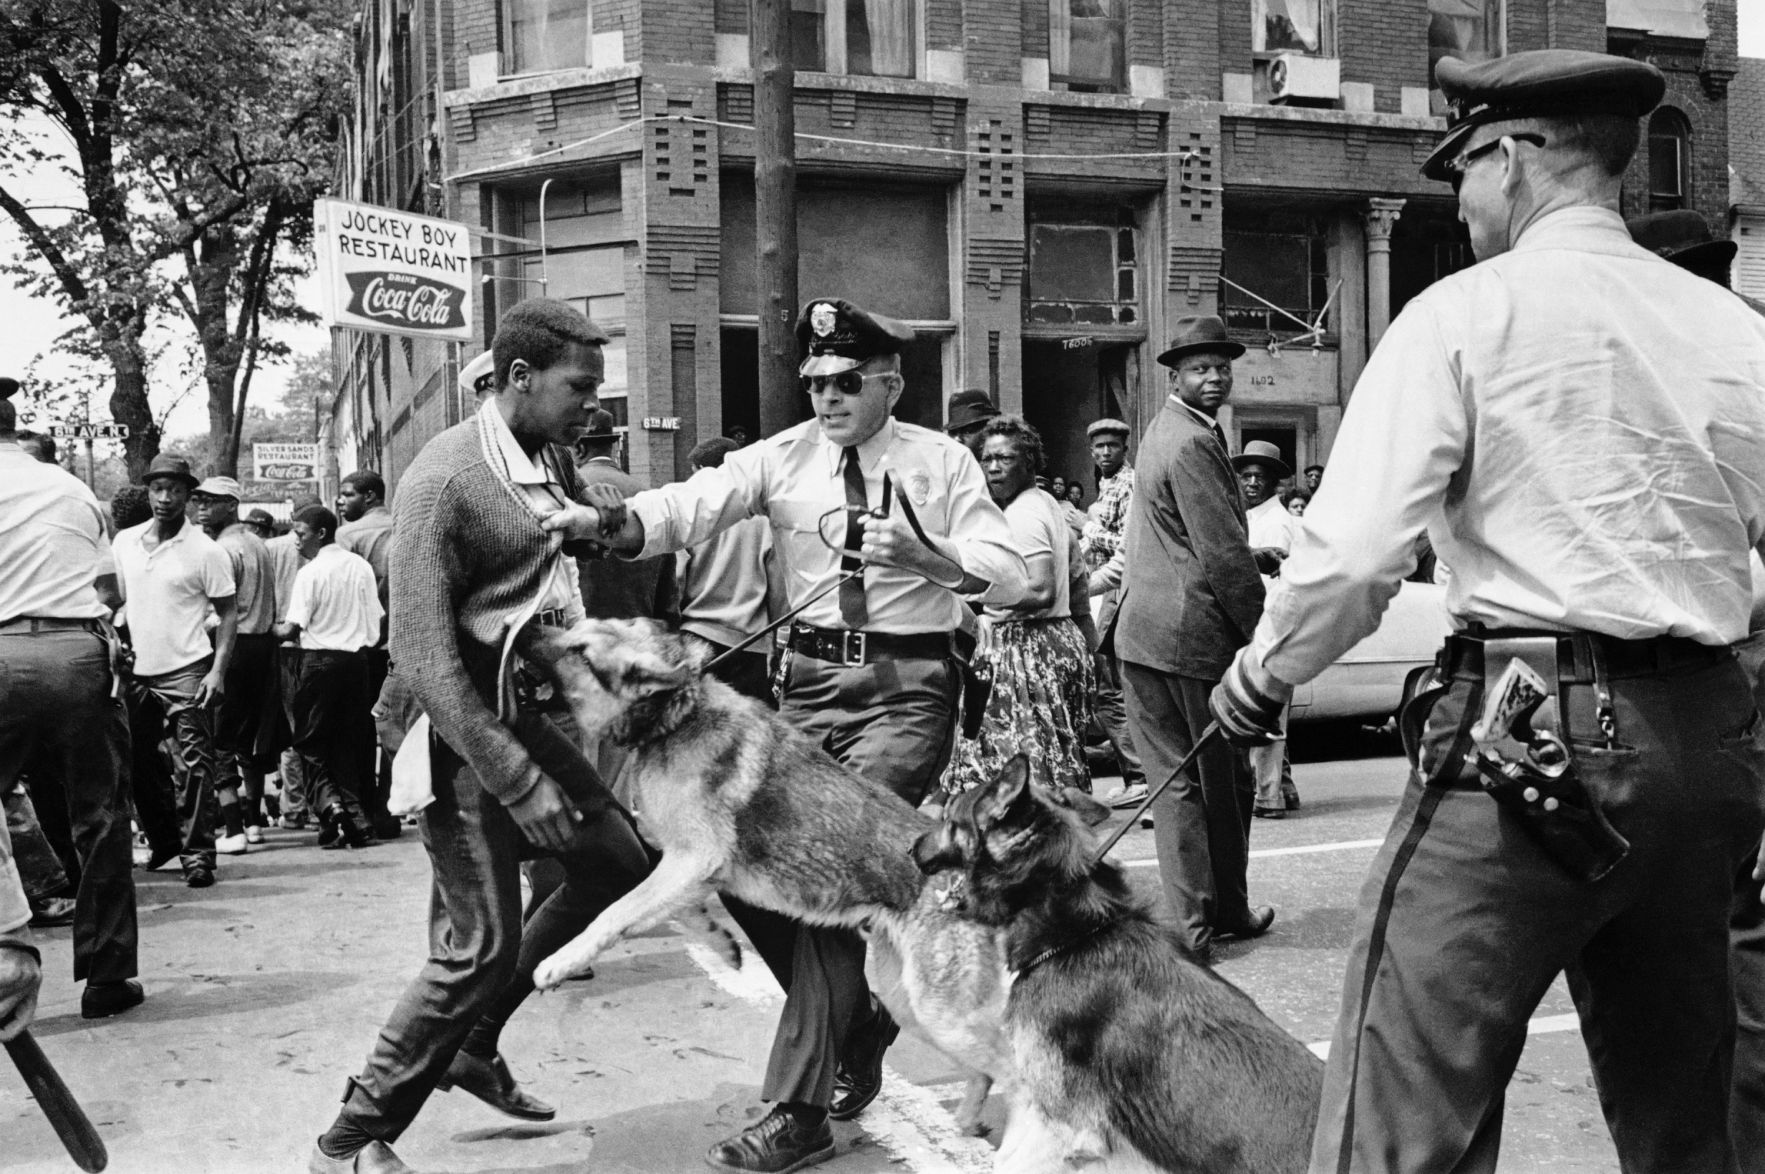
x=392 y=271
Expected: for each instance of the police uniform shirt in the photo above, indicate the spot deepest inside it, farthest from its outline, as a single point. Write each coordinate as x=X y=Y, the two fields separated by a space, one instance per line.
x=52 y=541
x=795 y=480
x=1581 y=427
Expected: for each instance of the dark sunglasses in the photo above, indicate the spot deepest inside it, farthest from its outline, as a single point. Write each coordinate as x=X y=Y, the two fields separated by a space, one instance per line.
x=1455 y=168
x=846 y=382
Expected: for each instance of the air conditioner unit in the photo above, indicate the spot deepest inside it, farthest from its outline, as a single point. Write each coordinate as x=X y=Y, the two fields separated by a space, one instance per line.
x=1294 y=77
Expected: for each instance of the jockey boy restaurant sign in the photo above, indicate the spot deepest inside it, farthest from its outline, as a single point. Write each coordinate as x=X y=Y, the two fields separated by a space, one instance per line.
x=393 y=272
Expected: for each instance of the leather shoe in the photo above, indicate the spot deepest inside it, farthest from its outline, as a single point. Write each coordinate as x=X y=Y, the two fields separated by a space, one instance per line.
x=198 y=876
x=491 y=1082
x=374 y=1158
x=1261 y=917
x=776 y=1144
x=860 y=1076
x=101 y=1000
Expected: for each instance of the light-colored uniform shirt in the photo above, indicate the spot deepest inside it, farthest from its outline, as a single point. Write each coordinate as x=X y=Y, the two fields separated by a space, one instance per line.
x=795 y=480
x=1579 y=424
x=724 y=584
x=1037 y=529
x=336 y=602
x=544 y=489
x=53 y=541
x=254 y=576
x=170 y=589
x=285 y=559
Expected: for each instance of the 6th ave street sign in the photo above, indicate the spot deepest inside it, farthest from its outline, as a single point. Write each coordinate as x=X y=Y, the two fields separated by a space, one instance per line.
x=84 y=431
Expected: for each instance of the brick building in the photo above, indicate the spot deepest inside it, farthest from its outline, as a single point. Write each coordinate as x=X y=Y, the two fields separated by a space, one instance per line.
x=1746 y=177
x=1040 y=186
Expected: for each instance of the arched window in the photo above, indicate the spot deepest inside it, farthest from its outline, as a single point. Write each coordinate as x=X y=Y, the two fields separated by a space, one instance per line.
x=1669 y=160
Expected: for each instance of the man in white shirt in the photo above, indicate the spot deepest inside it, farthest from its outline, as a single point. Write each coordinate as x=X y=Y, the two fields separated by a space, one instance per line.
x=59 y=711
x=172 y=576
x=285 y=556
x=335 y=616
x=1580 y=427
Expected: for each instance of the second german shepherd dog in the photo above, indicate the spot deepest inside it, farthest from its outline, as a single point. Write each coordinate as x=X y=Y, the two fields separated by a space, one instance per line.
x=1125 y=1054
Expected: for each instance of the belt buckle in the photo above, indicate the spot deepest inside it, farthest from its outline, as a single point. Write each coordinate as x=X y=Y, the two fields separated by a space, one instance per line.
x=852 y=654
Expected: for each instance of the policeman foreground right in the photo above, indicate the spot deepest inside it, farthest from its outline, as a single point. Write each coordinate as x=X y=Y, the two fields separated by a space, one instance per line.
x=1581 y=429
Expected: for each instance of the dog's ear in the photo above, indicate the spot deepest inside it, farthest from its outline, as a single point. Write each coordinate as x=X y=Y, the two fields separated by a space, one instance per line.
x=1082 y=805
x=645 y=674
x=1009 y=787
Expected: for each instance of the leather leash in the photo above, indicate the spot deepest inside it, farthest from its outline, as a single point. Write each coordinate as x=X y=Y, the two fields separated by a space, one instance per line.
x=1209 y=734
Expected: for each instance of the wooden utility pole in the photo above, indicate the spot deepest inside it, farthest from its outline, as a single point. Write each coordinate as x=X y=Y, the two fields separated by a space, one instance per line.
x=775 y=210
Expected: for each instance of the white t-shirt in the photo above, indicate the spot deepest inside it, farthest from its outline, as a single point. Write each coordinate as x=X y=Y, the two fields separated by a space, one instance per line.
x=52 y=542
x=1271 y=526
x=1037 y=528
x=336 y=602
x=169 y=589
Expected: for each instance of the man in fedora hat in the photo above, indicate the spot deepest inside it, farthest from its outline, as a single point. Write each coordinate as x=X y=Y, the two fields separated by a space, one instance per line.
x=870 y=675
x=968 y=413
x=173 y=575
x=1578 y=426
x=1191 y=597
x=1683 y=237
x=247 y=722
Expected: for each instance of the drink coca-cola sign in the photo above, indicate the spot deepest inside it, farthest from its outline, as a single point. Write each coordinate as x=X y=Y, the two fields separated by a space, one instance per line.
x=403 y=300
x=393 y=272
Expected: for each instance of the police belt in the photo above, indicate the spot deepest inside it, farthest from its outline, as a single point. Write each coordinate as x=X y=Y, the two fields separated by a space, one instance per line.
x=31 y=625
x=1578 y=653
x=854 y=649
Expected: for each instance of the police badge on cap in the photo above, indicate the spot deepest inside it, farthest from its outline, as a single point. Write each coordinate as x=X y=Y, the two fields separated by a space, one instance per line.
x=833 y=335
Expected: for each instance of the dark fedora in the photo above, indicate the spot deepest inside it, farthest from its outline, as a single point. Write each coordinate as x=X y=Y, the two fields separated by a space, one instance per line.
x=1682 y=237
x=167 y=465
x=600 y=426
x=968 y=408
x=1200 y=332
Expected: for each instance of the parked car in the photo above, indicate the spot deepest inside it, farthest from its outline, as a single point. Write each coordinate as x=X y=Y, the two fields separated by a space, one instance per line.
x=1368 y=682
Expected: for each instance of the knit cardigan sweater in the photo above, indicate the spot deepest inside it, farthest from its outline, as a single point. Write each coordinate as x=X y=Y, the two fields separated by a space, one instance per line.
x=467 y=553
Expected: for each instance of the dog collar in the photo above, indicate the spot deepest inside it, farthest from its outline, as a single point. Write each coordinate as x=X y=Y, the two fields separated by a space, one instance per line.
x=1056 y=951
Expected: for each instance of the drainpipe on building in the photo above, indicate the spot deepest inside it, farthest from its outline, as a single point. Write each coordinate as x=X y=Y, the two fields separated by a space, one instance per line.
x=329 y=475
x=775 y=211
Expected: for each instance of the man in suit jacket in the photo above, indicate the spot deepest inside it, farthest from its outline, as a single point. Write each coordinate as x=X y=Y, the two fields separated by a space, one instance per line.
x=1191 y=597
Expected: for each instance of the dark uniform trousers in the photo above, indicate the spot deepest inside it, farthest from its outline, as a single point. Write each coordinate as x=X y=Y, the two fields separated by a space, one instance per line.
x=1746 y=932
x=893 y=723
x=56 y=711
x=478 y=948
x=1465 y=923
x=1201 y=823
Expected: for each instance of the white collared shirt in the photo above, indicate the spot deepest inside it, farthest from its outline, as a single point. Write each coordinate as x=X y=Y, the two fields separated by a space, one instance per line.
x=53 y=542
x=544 y=489
x=1271 y=526
x=795 y=480
x=336 y=602
x=1580 y=426
x=170 y=589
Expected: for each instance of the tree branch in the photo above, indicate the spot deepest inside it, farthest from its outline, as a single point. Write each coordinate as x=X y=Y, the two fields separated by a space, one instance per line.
x=71 y=283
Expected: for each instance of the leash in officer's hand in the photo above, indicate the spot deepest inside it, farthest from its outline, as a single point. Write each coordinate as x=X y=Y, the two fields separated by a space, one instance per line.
x=881 y=511
x=1209 y=734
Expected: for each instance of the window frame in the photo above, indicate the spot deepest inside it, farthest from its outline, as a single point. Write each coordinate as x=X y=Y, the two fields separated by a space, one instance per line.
x=1679 y=134
x=1327 y=24
x=835 y=42
x=506 y=39
x=1275 y=323
x=1073 y=83
x=1498 y=36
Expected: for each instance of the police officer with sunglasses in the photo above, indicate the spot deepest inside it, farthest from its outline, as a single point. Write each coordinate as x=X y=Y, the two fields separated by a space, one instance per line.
x=870 y=671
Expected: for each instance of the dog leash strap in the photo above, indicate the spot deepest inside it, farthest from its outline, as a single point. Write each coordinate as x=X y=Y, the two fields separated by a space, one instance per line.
x=1209 y=734
x=781 y=621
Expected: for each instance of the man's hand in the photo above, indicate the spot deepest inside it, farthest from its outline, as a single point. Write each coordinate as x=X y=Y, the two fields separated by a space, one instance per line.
x=1269 y=559
x=546 y=816
x=20 y=977
x=210 y=691
x=1248 y=704
x=890 y=542
x=574 y=522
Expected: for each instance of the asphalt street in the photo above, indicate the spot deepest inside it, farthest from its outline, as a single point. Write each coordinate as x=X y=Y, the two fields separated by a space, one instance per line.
x=264 y=992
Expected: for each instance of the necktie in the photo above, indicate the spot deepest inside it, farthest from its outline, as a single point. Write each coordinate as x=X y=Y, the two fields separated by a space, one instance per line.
x=852 y=608
x=1220 y=434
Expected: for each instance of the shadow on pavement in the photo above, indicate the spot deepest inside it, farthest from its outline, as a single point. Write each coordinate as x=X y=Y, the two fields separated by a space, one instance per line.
x=200 y=996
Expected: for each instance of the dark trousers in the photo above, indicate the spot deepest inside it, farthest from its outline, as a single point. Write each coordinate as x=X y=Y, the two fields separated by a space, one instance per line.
x=1112 y=718
x=477 y=945
x=56 y=710
x=379 y=786
x=1464 y=923
x=1746 y=1105
x=1202 y=821
x=174 y=693
x=891 y=722
x=333 y=730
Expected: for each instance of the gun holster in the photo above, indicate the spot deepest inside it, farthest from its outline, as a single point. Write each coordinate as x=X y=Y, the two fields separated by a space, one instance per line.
x=1529 y=767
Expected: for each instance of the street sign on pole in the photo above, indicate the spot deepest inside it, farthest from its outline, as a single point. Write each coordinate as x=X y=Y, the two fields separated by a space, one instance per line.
x=83 y=430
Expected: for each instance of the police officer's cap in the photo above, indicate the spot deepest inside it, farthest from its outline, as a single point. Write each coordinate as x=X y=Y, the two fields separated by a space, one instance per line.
x=1539 y=83
x=1108 y=425
x=833 y=335
x=475 y=372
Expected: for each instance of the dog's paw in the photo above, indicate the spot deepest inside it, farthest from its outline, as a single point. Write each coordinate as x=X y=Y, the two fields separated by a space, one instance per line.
x=559 y=969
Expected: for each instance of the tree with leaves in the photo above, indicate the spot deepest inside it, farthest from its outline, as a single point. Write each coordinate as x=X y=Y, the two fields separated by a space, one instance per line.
x=198 y=133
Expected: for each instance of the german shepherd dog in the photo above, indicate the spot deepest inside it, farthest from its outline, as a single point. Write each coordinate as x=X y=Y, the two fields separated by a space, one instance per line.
x=1124 y=1053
